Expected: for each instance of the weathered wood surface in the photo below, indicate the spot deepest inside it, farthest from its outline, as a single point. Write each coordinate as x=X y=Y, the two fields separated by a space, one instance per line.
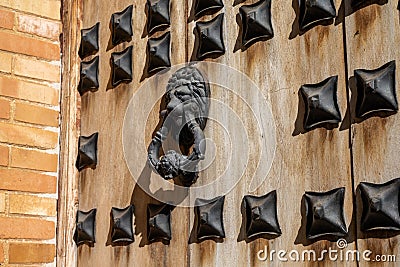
x=68 y=185
x=318 y=160
x=372 y=40
x=315 y=161
x=111 y=184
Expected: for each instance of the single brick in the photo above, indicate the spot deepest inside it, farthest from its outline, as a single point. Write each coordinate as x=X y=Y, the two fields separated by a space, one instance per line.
x=5 y=62
x=38 y=26
x=27 y=181
x=33 y=68
x=33 y=159
x=45 y=8
x=6 y=19
x=36 y=114
x=26 y=135
x=14 y=87
x=32 y=205
x=31 y=253
x=26 y=228
x=5 y=107
x=2 y=202
x=4 y=154
x=29 y=46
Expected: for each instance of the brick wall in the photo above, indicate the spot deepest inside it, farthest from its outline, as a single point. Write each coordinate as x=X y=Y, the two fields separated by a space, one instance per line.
x=29 y=130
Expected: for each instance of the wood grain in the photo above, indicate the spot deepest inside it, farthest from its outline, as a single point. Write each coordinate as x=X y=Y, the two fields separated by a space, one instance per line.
x=372 y=35
x=68 y=174
x=318 y=160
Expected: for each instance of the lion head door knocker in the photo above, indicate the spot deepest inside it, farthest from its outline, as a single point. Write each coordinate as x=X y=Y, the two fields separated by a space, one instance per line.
x=184 y=119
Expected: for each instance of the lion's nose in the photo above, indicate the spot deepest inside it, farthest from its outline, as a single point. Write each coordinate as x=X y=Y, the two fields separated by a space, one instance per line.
x=173 y=103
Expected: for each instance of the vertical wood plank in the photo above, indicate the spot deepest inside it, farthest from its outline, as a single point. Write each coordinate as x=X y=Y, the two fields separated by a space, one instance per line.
x=68 y=175
x=372 y=37
x=111 y=184
x=318 y=160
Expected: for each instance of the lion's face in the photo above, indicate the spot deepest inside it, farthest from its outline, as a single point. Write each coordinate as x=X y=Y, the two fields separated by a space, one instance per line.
x=181 y=104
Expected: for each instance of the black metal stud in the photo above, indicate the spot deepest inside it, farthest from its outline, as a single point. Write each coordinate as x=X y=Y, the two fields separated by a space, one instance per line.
x=89 y=76
x=380 y=206
x=325 y=213
x=320 y=103
x=209 y=219
x=159 y=222
x=121 y=63
x=158 y=50
x=376 y=90
x=315 y=11
x=261 y=215
x=122 y=229
x=87 y=152
x=121 y=25
x=89 y=41
x=85 y=231
x=202 y=7
x=256 y=21
x=209 y=37
x=158 y=17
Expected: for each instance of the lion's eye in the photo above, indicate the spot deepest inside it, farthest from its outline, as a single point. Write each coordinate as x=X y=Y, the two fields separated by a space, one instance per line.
x=184 y=97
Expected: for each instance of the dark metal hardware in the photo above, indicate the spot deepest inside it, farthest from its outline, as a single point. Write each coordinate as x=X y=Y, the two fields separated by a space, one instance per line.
x=209 y=38
x=380 y=206
x=89 y=41
x=320 y=103
x=376 y=90
x=325 y=216
x=121 y=25
x=85 y=231
x=122 y=228
x=185 y=117
x=315 y=11
x=209 y=218
x=89 y=80
x=261 y=215
x=256 y=21
x=203 y=7
x=121 y=63
x=159 y=222
x=87 y=152
x=158 y=16
x=158 y=51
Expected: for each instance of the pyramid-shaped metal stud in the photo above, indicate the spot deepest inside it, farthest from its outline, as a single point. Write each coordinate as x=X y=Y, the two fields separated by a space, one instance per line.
x=158 y=51
x=203 y=7
x=376 y=90
x=122 y=228
x=89 y=77
x=209 y=218
x=85 y=231
x=261 y=215
x=325 y=216
x=87 y=152
x=315 y=11
x=158 y=17
x=89 y=41
x=380 y=206
x=321 y=105
x=121 y=25
x=256 y=22
x=159 y=222
x=121 y=63
x=209 y=38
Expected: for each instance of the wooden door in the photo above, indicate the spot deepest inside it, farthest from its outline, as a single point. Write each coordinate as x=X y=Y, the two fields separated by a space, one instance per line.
x=268 y=118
